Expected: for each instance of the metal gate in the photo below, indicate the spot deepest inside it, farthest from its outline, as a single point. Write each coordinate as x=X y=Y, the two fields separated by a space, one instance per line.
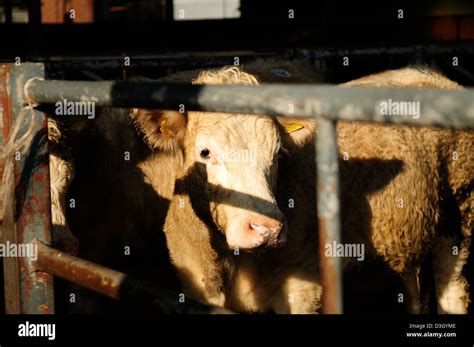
x=29 y=284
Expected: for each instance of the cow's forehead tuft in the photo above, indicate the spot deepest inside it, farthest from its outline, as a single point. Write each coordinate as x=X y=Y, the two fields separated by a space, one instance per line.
x=226 y=75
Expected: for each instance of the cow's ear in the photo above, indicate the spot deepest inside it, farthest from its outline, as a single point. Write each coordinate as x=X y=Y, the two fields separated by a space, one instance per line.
x=162 y=129
x=296 y=132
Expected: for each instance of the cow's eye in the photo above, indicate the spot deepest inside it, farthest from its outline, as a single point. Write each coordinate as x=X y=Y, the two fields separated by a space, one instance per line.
x=205 y=153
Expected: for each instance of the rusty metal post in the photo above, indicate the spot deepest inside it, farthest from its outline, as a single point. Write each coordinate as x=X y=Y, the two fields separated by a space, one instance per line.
x=328 y=205
x=115 y=284
x=28 y=208
x=80 y=271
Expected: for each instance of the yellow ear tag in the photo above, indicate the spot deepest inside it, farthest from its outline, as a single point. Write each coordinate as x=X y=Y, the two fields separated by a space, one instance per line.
x=292 y=127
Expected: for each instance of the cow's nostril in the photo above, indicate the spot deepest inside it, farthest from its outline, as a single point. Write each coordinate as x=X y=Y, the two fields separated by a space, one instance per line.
x=261 y=229
x=266 y=228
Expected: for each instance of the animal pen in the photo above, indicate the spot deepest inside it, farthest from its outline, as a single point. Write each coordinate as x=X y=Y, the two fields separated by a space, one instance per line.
x=29 y=284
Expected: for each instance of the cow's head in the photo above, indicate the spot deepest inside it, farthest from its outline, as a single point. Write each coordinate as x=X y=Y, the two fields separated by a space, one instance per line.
x=237 y=157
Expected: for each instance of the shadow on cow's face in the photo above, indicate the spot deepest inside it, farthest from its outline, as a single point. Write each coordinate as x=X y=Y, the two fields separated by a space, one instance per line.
x=237 y=158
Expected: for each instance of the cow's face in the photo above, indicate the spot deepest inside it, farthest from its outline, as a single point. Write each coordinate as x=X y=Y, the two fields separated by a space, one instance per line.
x=236 y=158
x=237 y=155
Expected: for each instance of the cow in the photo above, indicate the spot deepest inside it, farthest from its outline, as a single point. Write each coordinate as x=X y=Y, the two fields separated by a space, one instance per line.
x=435 y=218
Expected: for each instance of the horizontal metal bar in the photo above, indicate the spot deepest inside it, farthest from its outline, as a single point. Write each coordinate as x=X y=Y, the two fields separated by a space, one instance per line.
x=115 y=284
x=426 y=50
x=156 y=62
x=95 y=277
x=199 y=61
x=448 y=108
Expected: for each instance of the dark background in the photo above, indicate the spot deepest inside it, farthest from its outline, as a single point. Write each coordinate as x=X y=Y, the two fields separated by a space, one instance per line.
x=92 y=47
x=147 y=26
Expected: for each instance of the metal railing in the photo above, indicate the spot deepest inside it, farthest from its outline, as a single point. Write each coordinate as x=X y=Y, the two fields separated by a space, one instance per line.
x=30 y=291
x=447 y=108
